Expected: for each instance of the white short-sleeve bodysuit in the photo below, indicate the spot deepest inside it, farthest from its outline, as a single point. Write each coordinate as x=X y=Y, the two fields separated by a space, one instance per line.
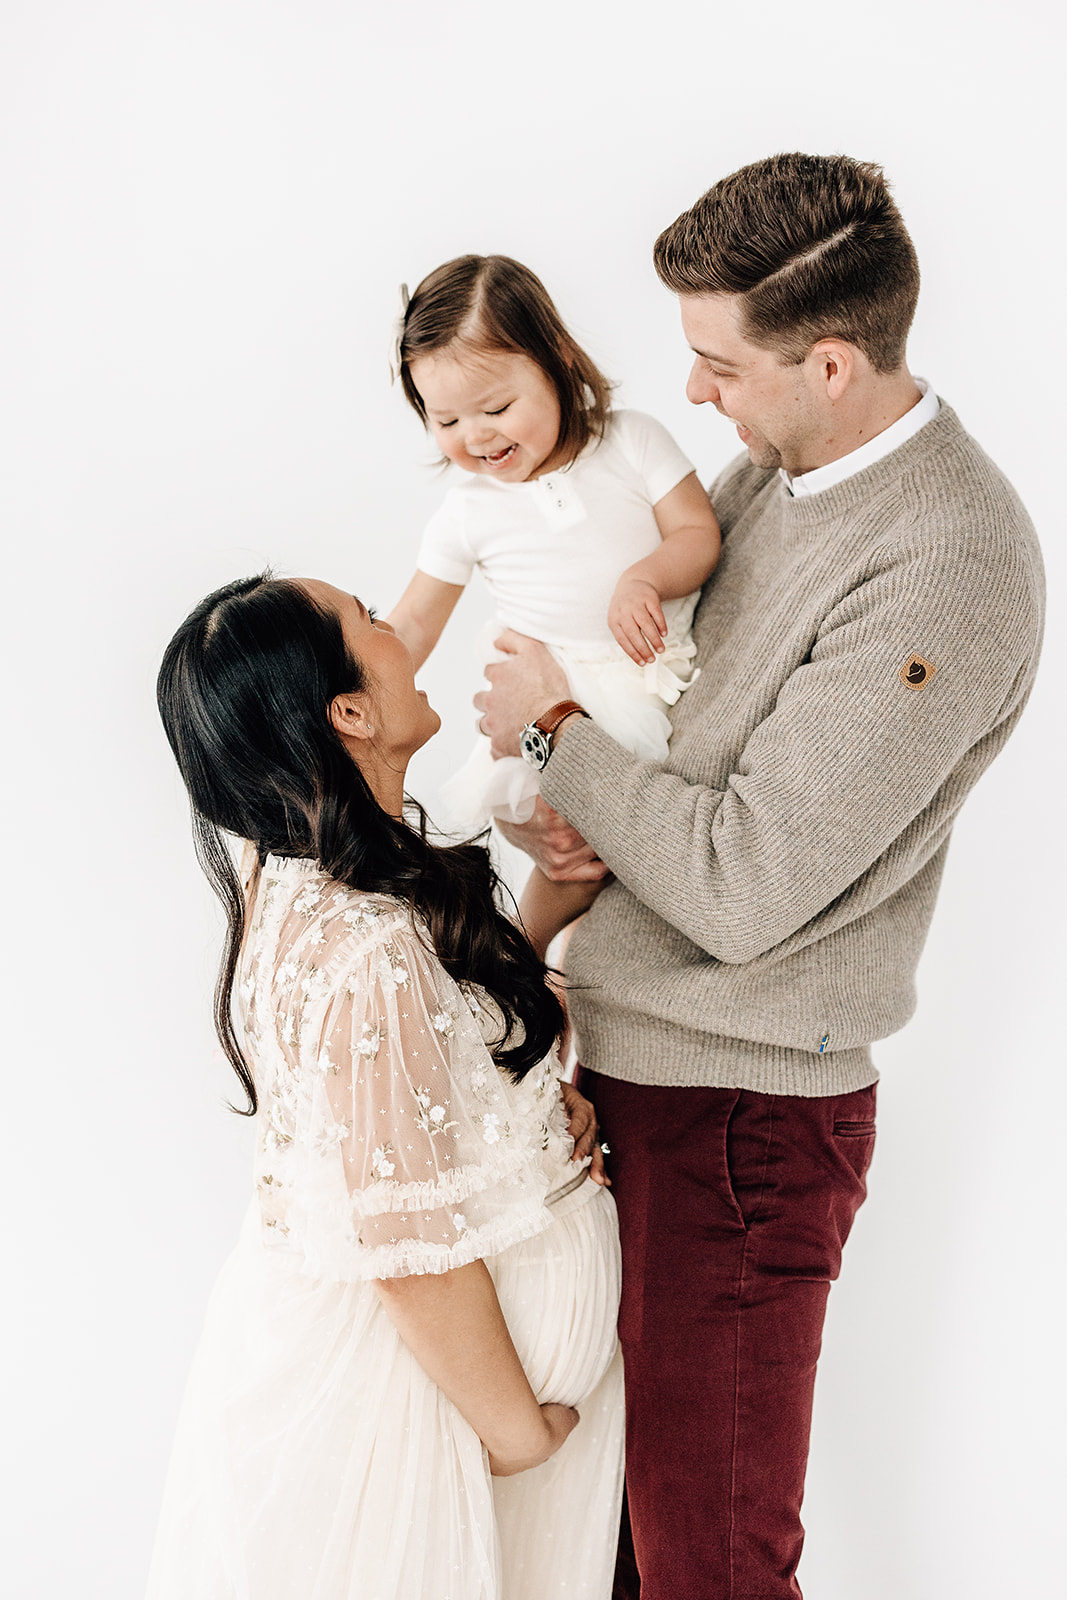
x=315 y=1459
x=551 y=552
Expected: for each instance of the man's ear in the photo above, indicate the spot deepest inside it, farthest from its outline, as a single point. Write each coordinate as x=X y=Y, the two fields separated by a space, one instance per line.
x=834 y=365
x=351 y=717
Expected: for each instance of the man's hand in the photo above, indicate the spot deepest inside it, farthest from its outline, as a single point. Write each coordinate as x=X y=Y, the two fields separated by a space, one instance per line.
x=560 y=852
x=524 y=685
x=528 y=682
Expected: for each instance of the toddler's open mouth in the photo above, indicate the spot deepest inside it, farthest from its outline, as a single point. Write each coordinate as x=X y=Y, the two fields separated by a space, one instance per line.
x=500 y=456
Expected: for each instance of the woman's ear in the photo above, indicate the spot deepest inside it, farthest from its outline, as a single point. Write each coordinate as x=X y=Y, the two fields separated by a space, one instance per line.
x=351 y=717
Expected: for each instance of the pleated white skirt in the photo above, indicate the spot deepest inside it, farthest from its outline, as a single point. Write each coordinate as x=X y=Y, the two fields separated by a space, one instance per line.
x=315 y=1460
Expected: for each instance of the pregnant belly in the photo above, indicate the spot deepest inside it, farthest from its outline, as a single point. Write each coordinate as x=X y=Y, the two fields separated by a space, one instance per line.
x=560 y=1295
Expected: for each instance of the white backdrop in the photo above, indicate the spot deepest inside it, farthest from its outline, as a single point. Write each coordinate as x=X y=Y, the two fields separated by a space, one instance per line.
x=208 y=207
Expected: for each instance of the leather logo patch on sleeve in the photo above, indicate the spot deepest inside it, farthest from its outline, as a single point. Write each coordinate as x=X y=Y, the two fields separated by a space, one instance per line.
x=916 y=672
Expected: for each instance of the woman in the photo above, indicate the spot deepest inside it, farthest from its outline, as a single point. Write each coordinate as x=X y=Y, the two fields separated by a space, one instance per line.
x=382 y=1406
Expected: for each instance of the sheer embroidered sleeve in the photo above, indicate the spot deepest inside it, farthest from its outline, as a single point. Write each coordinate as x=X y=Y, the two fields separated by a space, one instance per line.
x=403 y=1148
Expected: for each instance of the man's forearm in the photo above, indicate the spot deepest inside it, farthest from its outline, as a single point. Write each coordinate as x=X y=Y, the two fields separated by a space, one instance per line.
x=817 y=796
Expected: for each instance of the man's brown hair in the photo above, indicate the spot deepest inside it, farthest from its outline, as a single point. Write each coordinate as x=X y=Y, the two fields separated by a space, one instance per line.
x=814 y=246
x=485 y=303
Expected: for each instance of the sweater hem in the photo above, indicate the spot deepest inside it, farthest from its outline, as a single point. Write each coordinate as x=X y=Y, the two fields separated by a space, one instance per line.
x=635 y=1056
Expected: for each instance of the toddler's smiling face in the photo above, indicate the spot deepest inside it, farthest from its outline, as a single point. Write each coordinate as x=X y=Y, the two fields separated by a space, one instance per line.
x=493 y=413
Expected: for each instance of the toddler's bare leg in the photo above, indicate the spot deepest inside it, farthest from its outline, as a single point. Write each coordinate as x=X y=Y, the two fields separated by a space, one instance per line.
x=547 y=907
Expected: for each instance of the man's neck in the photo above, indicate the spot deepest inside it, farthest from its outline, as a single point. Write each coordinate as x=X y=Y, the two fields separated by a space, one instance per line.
x=862 y=416
x=877 y=442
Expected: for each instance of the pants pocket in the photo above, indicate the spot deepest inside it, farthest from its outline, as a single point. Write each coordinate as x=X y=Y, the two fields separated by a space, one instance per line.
x=854 y=1140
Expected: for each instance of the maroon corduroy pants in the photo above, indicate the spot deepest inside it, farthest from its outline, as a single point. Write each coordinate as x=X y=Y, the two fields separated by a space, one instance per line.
x=733 y=1209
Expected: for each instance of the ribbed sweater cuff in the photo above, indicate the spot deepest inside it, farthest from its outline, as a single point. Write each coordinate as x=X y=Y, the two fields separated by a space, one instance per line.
x=580 y=772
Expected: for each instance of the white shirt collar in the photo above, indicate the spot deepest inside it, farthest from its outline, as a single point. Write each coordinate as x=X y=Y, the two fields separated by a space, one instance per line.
x=891 y=438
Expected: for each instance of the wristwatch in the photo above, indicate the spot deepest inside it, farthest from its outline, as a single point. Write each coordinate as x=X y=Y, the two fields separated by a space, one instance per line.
x=536 y=739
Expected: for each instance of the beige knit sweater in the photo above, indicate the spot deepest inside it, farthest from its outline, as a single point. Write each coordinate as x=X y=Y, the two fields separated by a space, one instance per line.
x=864 y=654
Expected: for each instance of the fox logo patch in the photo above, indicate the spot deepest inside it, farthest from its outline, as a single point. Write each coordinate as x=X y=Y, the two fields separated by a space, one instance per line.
x=916 y=672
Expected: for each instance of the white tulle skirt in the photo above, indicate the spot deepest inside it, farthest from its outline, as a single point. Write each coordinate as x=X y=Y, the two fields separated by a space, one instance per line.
x=315 y=1460
x=628 y=701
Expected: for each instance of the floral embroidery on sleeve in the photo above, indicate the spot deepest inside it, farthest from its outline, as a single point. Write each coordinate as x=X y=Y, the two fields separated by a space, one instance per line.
x=370 y=1041
x=281 y=1117
x=430 y=1118
x=397 y=970
x=380 y=1165
x=330 y=1136
x=307 y=902
x=444 y=1023
x=361 y=916
x=389 y=1142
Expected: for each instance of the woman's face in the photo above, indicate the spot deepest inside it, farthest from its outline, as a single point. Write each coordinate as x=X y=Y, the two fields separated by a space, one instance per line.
x=402 y=717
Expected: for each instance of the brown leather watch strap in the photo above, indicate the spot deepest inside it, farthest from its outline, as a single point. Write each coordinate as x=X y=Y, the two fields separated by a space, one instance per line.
x=550 y=720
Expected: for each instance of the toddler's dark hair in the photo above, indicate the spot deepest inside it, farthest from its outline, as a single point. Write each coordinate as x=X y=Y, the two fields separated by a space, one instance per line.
x=487 y=303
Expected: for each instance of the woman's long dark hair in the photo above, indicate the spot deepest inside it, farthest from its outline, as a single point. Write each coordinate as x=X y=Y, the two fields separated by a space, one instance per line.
x=244 y=693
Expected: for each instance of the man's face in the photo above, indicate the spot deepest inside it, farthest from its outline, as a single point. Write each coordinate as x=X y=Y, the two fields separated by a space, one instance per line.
x=775 y=409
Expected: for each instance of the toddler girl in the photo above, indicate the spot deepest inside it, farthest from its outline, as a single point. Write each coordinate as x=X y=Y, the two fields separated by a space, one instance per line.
x=588 y=525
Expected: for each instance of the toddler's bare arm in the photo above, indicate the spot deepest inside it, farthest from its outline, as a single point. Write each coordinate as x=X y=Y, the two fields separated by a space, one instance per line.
x=686 y=558
x=548 y=906
x=420 y=614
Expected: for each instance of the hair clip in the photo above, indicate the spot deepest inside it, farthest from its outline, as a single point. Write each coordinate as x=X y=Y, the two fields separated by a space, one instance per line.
x=396 y=354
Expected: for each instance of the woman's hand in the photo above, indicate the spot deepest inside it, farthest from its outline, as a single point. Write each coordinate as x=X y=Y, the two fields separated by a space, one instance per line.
x=583 y=1127
x=559 y=1423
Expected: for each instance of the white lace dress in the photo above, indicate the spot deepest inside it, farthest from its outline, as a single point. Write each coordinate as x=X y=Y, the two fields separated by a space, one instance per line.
x=315 y=1460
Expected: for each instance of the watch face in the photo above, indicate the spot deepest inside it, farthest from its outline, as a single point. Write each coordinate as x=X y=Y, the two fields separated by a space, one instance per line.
x=534 y=746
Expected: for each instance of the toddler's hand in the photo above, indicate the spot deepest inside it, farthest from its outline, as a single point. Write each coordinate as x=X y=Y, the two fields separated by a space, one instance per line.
x=636 y=618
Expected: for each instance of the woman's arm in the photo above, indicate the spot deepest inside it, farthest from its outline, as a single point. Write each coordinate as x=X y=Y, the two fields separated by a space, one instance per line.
x=420 y=614
x=453 y=1325
x=686 y=558
x=408 y=1102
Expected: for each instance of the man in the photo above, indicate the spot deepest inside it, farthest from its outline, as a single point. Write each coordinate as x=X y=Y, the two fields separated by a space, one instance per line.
x=865 y=648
